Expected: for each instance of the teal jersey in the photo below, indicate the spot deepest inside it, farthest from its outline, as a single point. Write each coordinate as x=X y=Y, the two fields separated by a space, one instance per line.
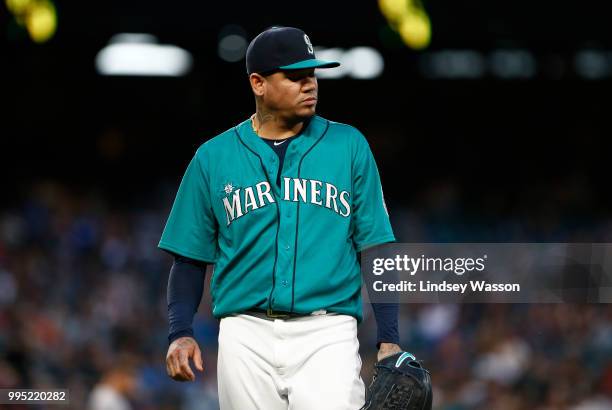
x=291 y=247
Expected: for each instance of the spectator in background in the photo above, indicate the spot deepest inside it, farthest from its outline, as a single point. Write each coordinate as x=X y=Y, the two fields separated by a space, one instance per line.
x=114 y=390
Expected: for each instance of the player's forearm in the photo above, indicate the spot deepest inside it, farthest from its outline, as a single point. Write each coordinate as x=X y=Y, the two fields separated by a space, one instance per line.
x=386 y=315
x=386 y=320
x=185 y=287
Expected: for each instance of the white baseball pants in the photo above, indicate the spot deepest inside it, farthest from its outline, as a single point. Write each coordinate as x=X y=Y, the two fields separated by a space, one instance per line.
x=306 y=363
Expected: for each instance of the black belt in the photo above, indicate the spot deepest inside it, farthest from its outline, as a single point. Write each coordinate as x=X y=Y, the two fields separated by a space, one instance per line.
x=271 y=314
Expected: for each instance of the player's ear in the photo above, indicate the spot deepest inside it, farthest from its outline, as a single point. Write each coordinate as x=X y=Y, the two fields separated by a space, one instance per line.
x=257 y=84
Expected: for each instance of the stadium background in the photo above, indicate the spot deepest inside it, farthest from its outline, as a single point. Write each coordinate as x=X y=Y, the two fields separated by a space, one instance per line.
x=497 y=131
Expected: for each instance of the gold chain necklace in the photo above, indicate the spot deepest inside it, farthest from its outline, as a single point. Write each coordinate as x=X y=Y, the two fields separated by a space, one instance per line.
x=253 y=125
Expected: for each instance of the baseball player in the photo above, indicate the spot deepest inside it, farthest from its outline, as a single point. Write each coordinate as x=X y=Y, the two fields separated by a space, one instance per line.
x=281 y=204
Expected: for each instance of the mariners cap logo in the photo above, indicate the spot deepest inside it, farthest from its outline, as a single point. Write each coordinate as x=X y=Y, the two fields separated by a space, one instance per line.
x=308 y=44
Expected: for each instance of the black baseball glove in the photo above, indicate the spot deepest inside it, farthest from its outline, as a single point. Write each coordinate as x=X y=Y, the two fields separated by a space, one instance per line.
x=400 y=383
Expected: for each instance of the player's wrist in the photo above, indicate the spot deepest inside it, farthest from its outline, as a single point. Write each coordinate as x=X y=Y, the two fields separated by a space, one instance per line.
x=387 y=349
x=388 y=345
x=178 y=334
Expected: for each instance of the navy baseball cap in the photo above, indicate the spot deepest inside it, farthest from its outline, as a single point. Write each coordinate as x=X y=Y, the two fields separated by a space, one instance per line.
x=282 y=48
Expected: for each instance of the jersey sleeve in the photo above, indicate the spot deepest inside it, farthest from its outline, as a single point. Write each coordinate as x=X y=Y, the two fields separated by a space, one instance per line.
x=191 y=229
x=371 y=219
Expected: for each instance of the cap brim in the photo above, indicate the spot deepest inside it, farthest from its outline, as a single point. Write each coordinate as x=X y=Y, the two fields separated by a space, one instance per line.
x=311 y=63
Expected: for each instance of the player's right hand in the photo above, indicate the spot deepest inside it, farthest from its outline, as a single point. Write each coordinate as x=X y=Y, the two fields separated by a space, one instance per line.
x=177 y=359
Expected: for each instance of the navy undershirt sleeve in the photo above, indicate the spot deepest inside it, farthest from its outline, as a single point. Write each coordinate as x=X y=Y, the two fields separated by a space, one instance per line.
x=185 y=288
x=386 y=321
x=386 y=315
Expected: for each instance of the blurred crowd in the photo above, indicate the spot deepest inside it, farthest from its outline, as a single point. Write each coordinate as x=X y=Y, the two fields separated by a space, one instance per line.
x=82 y=307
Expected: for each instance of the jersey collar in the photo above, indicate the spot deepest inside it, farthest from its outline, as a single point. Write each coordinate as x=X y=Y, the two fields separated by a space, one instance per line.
x=309 y=136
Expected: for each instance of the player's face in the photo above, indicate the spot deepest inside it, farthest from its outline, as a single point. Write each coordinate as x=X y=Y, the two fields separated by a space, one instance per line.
x=292 y=93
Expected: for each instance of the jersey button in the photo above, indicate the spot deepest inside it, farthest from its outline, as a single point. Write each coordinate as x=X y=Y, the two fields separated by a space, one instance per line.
x=285 y=282
x=287 y=247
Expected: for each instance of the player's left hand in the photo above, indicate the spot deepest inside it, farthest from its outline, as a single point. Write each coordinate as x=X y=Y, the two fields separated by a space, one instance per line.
x=387 y=349
x=177 y=359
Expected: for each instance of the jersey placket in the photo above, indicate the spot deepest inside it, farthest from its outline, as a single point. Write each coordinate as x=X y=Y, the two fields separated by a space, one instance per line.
x=287 y=233
x=271 y=163
x=280 y=297
x=289 y=223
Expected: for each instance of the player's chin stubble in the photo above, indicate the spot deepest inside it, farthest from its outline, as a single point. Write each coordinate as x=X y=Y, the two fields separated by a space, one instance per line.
x=304 y=115
x=306 y=112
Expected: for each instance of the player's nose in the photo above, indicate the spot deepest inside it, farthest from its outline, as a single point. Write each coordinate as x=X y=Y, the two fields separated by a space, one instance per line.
x=309 y=84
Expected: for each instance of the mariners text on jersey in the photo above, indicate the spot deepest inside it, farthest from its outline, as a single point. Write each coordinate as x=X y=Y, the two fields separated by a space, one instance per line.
x=290 y=246
x=239 y=202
